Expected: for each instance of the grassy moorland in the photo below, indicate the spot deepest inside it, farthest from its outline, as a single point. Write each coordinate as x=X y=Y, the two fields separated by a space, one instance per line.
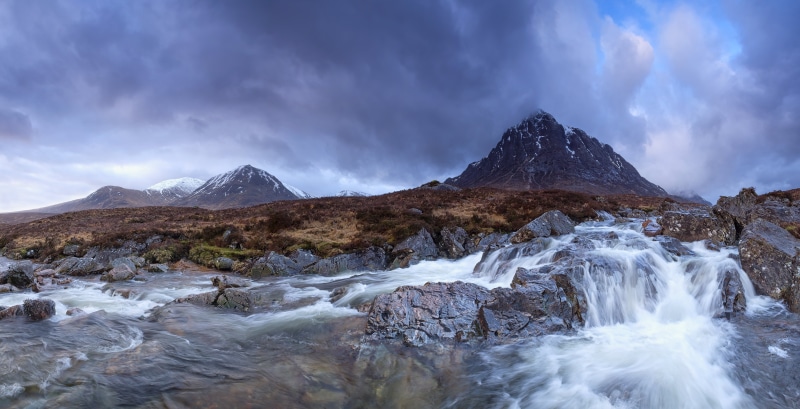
x=326 y=226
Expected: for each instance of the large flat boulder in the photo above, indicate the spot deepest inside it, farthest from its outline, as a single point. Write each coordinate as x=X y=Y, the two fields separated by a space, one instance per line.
x=552 y=223
x=769 y=256
x=370 y=259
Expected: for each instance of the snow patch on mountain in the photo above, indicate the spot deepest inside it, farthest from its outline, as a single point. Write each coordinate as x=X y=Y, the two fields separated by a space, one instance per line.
x=185 y=185
x=302 y=194
x=351 y=193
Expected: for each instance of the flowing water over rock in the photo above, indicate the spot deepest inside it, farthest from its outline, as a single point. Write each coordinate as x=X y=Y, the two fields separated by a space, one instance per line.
x=655 y=336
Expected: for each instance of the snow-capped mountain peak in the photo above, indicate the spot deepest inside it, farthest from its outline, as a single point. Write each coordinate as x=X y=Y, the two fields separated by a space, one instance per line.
x=302 y=194
x=186 y=185
x=243 y=186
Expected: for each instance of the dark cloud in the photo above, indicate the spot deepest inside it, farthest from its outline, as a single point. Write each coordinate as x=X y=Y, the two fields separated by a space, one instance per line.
x=393 y=94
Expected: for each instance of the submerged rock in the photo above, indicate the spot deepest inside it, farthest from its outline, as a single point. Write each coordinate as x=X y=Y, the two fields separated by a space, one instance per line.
x=552 y=223
x=769 y=256
x=733 y=299
x=674 y=246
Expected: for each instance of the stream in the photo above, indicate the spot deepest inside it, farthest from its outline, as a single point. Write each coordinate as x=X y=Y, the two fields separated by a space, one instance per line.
x=653 y=338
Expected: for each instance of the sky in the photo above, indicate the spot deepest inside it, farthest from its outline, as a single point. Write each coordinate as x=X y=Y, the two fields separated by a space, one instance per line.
x=377 y=96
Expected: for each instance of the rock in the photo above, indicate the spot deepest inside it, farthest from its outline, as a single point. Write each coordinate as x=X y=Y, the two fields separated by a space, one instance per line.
x=492 y=241
x=432 y=312
x=138 y=262
x=455 y=243
x=552 y=223
x=71 y=250
x=234 y=299
x=119 y=273
x=414 y=210
x=739 y=206
x=414 y=249
x=75 y=311
x=699 y=224
x=46 y=273
x=274 y=264
x=303 y=258
x=158 y=268
x=20 y=274
x=222 y=282
x=712 y=245
x=82 y=266
x=223 y=264
x=7 y=288
x=13 y=311
x=37 y=310
x=500 y=262
x=651 y=228
x=769 y=256
x=123 y=261
x=370 y=259
x=338 y=293
x=674 y=246
x=733 y=299
x=199 y=299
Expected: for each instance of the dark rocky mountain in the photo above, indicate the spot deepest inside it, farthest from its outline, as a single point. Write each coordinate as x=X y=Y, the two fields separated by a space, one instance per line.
x=173 y=189
x=108 y=197
x=241 y=187
x=540 y=153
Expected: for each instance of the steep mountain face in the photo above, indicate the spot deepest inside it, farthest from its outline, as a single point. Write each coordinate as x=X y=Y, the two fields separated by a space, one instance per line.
x=300 y=193
x=540 y=153
x=244 y=186
x=173 y=189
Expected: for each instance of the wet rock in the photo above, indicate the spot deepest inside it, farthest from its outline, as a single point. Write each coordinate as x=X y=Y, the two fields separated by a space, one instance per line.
x=158 y=268
x=492 y=241
x=552 y=223
x=138 y=262
x=338 y=293
x=13 y=311
x=733 y=299
x=739 y=206
x=651 y=228
x=223 y=264
x=370 y=259
x=234 y=299
x=75 y=311
x=501 y=261
x=20 y=274
x=414 y=249
x=119 y=273
x=769 y=256
x=274 y=264
x=199 y=299
x=455 y=243
x=82 y=266
x=699 y=224
x=432 y=312
x=124 y=261
x=38 y=310
x=303 y=258
x=674 y=246
x=712 y=245
x=7 y=288
x=46 y=273
x=222 y=282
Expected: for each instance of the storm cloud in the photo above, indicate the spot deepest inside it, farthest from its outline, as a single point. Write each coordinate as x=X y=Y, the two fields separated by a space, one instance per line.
x=378 y=96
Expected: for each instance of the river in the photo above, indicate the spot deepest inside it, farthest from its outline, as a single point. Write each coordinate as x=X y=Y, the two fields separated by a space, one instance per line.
x=653 y=339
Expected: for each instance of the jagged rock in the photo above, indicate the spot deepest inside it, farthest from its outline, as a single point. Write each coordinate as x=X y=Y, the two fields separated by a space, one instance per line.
x=455 y=243
x=492 y=241
x=338 y=293
x=124 y=261
x=223 y=264
x=37 y=310
x=303 y=258
x=414 y=249
x=71 y=250
x=234 y=299
x=769 y=256
x=82 y=266
x=651 y=228
x=699 y=224
x=106 y=255
x=122 y=272
x=12 y=311
x=432 y=312
x=733 y=299
x=222 y=282
x=274 y=264
x=739 y=206
x=674 y=246
x=552 y=223
x=157 y=268
x=199 y=299
x=20 y=274
x=369 y=259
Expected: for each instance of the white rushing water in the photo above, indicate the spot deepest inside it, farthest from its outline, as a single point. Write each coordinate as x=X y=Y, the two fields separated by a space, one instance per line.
x=650 y=341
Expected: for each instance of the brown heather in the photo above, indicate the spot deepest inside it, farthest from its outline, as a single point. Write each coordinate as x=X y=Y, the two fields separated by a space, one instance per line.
x=327 y=226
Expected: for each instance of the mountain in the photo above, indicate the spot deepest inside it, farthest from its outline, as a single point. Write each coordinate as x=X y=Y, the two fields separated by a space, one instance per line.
x=301 y=194
x=107 y=197
x=540 y=153
x=241 y=187
x=351 y=193
x=173 y=189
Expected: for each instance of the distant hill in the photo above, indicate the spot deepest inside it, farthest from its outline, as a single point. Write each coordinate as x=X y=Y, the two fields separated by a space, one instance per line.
x=241 y=187
x=351 y=193
x=539 y=153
